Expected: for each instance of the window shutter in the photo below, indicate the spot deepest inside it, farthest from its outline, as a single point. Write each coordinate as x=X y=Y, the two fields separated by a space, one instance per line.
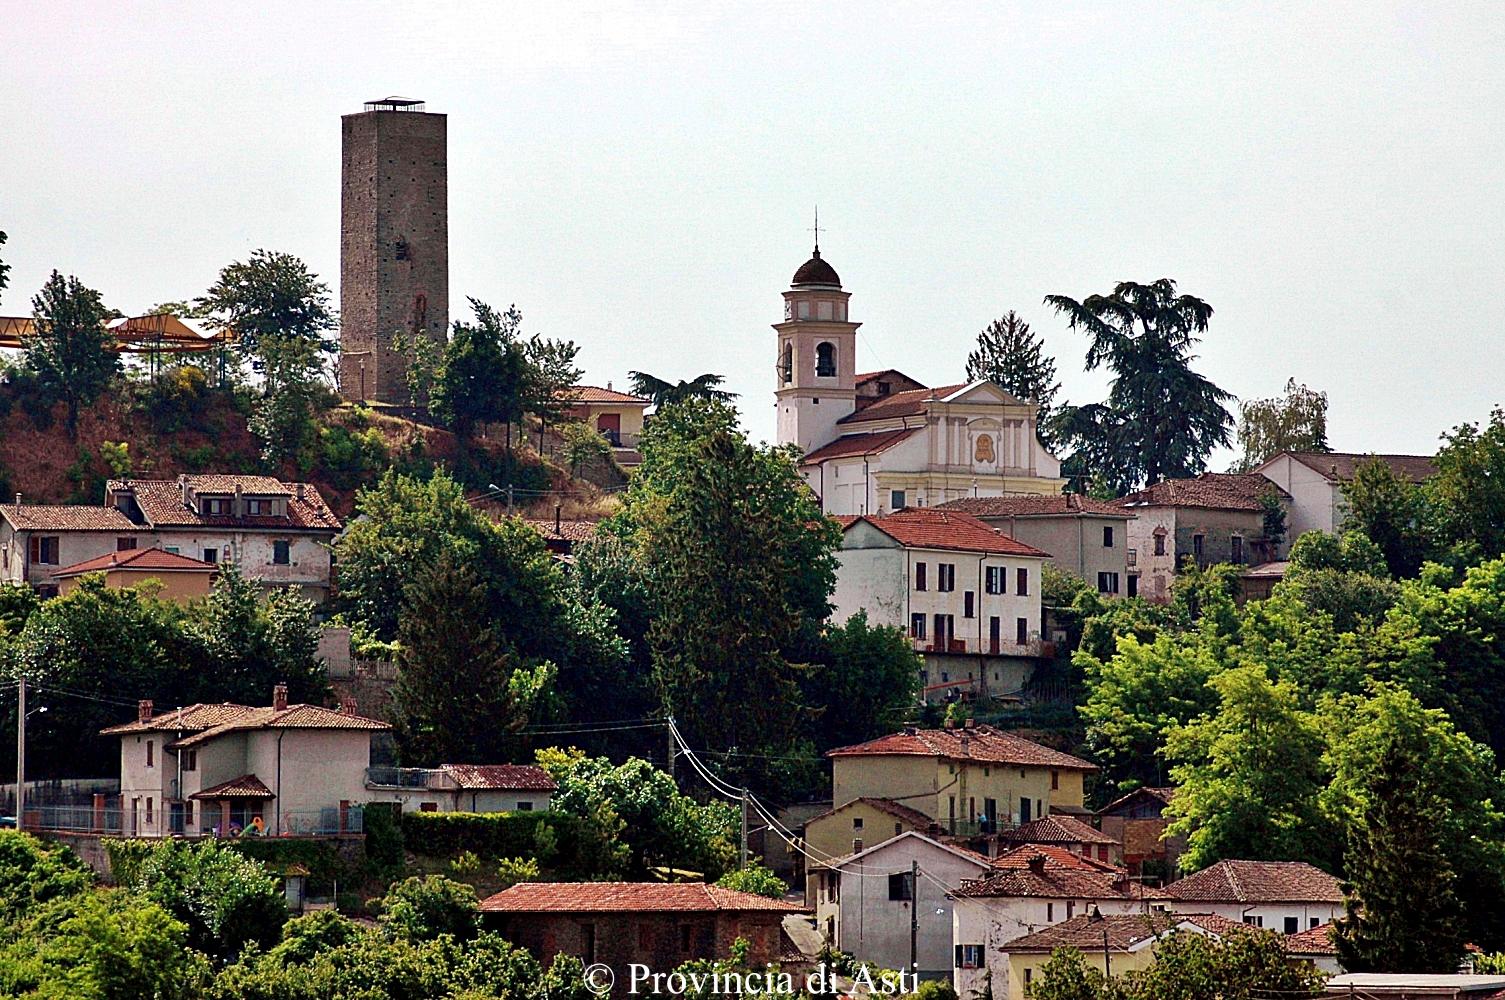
x=958 y=956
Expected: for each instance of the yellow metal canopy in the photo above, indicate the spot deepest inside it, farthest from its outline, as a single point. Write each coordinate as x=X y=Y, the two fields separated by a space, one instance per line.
x=159 y=332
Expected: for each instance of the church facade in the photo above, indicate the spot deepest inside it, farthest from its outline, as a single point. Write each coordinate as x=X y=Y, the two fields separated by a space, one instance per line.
x=877 y=442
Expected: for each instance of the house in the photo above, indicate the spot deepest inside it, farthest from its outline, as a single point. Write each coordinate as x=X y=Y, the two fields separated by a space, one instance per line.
x=968 y=595
x=476 y=788
x=881 y=441
x=1258 y=582
x=1067 y=832
x=182 y=579
x=1315 y=481
x=1137 y=821
x=618 y=416
x=216 y=769
x=1085 y=537
x=1315 y=947
x=1031 y=888
x=974 y=780
x=620 y=924
x=861 y=822
x=865 y=902
x=276 y=533
x=1215 y=518
x=1414 y=986
x=561 y=536
x=1284 y=896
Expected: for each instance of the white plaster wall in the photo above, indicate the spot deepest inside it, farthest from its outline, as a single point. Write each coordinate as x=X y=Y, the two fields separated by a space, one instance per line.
x=1155 y=572
x=870 y=579
x=137 y=781
x=1270 y=916
x=320 y=768
x=1316 y=501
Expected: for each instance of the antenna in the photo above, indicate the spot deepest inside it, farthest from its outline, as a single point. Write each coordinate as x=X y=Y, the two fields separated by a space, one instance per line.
x=817 y=230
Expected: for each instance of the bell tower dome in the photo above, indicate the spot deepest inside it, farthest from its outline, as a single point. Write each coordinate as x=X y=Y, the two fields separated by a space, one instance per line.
x=816 y=363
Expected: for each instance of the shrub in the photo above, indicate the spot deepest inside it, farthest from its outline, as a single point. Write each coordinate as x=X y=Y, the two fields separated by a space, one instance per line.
x=755 y=879
x=566 y=840
x=421 y=909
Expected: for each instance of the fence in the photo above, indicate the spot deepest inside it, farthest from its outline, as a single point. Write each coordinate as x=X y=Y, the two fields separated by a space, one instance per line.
x=110 y=819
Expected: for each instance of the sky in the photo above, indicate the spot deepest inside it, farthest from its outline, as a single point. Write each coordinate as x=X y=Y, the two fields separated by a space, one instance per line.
x=640 y=178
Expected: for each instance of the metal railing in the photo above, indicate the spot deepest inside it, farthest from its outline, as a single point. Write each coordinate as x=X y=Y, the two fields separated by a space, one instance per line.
x=409 y=777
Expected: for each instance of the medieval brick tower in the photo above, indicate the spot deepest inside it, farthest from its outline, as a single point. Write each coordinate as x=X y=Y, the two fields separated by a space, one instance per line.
x=394 y=243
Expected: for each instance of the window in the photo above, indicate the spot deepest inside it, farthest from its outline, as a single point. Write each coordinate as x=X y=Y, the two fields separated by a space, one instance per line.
x=170 y=548
x=684 y=937
x=995 y=635
x=190 y=760
x=428 y=807
x=969 y=956
x=1055 y=780
x=1070 y=908
x=901 y=886
x=825 y=359
x=125 y=544
x=1107 y=583
x=856 y=822
x=1028 y=978
x=400 y=250
x=896 y=500
x=258 y=507
x=44 y=550
x=216 y=506
x=786 y=364
x=151 y=753
x=968 y=605
x=1254 y=921
x=281 y=550
x=1238 y=549
x=1313 y=922
x=1133 y=584
x=857 y=845
x=1107 y=536
x=945 y=577
x=1021 y=630
x=1292 y=925
x=1021 y=581
x=1050 y=913
x=525 y=807
x=993 y=580
x=211 y=555
x=148 y=810
x=919 y=576
x=1196 y=546
x=1160 y=543
x=917 y=626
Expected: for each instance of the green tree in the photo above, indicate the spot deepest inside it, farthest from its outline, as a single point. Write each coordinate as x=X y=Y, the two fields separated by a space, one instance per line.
x=269 y=299
x=70 y=351
x=1402 y=914
x=551 y=374
x=755 y=879
x=1468 y=492
x=865 y=684
x=583 y=446
x=1067 y=976
x=1343 y=576
x=1011 y=355
x=1161 y=419
x=226 y=900
x=1296 y=421
x=424 y=354
x=1239 y=965
x=484 y=374
x=254 y=639
x=663 y=393
x=283 y=414
x=1249 y=775
x=462 y=692
x=1392 y=512
x=34 y=873
x=421 y=909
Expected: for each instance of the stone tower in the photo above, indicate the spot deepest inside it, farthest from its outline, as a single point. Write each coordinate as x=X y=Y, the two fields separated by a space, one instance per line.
x=816 y=367
x=394 y=243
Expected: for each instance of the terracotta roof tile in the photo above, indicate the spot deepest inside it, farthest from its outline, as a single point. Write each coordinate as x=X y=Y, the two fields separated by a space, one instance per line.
x=1257 y=882
x=596 y=394
x=900 y=404
x=1084 y=932
x=138 y=559
x=188 y=719
x=1034 y=506
x=65 y=517
x=504 y=777
x=1312 y=941
x=1415 y=468
x=1058 y=882
x=627 y=897
x=1164 y=795
x=1055 y=857
x=983 y=744
x=1213 y=490
x=573 y=531
x=254 y=486
x=859 y=444
x=292 y=717
x=932 y=528
x=1057 y=830
x=247 y=786
x=161 y=502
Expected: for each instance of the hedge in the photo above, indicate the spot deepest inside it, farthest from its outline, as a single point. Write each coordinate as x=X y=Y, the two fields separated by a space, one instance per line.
x=562 y=844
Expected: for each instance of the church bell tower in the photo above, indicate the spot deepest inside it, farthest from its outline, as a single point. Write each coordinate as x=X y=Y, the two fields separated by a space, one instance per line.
x=816 y=366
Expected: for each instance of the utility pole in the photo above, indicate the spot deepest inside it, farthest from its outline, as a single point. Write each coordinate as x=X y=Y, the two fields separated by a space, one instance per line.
x=744 y=828
x=669 y=760
x=509 y=499
x=1107 y=968
x=21 y=753
x=914 y=918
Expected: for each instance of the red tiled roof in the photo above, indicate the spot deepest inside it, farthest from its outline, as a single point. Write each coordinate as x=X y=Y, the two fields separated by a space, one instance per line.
x=627 y=897
x=153 y=559
x=1163 y=794
x=573 y=531
x=980 y=859
x=1415 y=468
x=931 y=528
x=1071 y=504
x=188 y=719
x=292 y=717
x=1257 y=882
x=1085 y=933
x=900 y=404
x=502 y=777
x=1058 y=882
x=899 y=811
x=1055 y=857
x=1213 y=490
x=247 y=786
x=1267 y=571
x=161 y=502
x=596 y=394
x=1057 y=830
x=1312 y=941
x=982 y=744
x=65 y=517
x=859 y=444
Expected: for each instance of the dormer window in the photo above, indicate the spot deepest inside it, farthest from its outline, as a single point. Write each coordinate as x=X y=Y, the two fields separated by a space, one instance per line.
x=884 y=388
x=215 y=506
x=258 y=507
x=825 y=359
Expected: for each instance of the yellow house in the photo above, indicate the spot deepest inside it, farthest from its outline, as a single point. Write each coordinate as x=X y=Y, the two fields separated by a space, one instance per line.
x=859 y=824
x=1110 y=944
x=972 y=780
x=617 y=415
x=182 y=579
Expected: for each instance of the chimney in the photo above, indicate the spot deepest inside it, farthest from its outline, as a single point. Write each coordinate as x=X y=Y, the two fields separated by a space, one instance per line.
x=298 y=490
x=18 y=499
x=950 y=723
x=1120 y=883
x=144 y=710
x=183 y=488
x=970 y=724
x=347 y=705
x=1037 y=864
x=279 y=697
x=608 y=386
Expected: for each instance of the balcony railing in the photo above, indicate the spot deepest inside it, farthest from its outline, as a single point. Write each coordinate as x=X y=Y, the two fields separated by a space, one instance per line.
x=1033 y=646
x=410 y=777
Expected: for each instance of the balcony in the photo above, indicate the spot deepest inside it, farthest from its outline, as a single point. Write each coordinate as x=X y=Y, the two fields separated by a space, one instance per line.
x=1033 y=646
x=414 y=778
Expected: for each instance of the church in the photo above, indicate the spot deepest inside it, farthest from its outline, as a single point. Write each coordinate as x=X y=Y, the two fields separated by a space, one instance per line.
x=876 y=442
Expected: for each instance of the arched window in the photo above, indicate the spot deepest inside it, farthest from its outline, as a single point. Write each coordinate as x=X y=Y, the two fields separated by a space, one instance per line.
x=786 y=364
x=825 y=359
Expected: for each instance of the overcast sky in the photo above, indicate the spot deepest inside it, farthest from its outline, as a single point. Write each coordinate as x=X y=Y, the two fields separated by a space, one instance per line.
x=640 y=178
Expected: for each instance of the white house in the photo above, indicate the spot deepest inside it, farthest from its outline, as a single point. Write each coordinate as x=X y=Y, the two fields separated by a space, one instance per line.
x=1032 y=887
x=881 y=441
x=1315 y=481
x=215 y=769
x=1284 y=896
x=968 y=594
x=864 y=902
x=479 y=788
